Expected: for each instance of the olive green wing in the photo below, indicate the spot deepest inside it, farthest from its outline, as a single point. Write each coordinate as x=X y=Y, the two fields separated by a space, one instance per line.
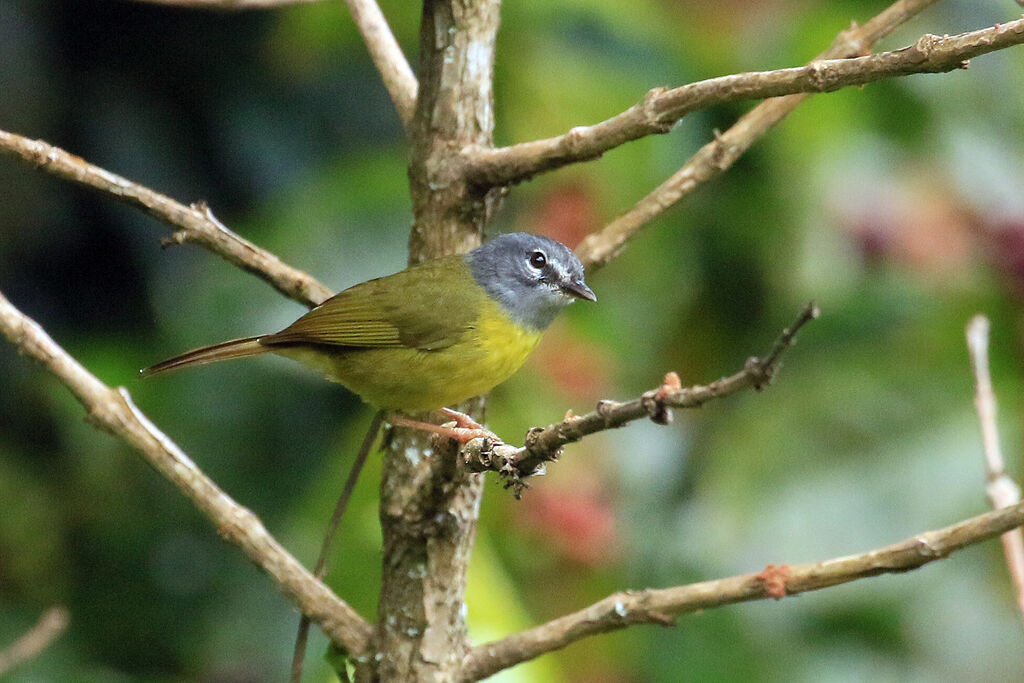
x=426 y=307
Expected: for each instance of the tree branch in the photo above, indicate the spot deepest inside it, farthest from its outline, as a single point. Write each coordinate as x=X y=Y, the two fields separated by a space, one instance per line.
x=663 y=606
x=661 y=109
x=718 y=156
x=387 y=56
x=545 y=445
x=1001 y=489
x=195 y=223
x=49 y=627
x=113 y=411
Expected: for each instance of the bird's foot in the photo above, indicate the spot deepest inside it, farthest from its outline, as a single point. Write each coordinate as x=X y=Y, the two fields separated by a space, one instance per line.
x=465 y=430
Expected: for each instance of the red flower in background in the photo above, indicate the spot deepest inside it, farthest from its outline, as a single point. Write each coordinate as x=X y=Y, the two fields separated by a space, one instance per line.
x=568 y=214
x=579 y=523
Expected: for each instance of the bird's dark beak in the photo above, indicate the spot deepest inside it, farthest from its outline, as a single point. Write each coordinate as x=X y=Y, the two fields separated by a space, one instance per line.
x=578 y=288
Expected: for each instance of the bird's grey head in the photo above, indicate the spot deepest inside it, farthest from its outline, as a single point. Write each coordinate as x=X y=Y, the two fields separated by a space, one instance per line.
x=533 y=277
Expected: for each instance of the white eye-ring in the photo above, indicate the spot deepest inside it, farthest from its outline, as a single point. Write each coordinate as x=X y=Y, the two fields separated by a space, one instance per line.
x=538 y=260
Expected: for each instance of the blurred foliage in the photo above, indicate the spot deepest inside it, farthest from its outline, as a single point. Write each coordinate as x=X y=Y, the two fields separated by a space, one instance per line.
x=896 y=206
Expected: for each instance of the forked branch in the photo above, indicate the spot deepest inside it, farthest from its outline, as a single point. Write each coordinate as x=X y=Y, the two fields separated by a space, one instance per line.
x=720 y=154
x=545 y=445
x=661 y=109
x=194 y=223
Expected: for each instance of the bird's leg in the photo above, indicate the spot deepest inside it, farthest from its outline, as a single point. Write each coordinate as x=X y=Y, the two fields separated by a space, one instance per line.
x=465 y=430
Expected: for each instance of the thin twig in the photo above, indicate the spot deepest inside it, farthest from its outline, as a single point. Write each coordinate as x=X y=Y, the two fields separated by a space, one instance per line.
x=51 y=624
x=320 y=570
x=387 y=56
x=195 y=223
x=661 y=109
x=113 y=411
x=718 y=156
x=545 y=445
x=663 y=606
x=1001 y=489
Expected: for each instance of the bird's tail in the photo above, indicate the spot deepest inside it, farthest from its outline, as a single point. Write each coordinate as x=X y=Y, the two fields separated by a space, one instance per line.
x=236 y=348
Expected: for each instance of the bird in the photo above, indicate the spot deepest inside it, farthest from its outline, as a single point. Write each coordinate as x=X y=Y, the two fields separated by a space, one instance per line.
x=432 y=335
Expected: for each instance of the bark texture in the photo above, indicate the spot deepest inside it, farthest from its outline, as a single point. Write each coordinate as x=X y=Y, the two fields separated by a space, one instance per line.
x=429 y=501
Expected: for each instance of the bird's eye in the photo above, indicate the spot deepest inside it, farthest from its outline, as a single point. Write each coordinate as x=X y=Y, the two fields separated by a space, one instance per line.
x=538 y=260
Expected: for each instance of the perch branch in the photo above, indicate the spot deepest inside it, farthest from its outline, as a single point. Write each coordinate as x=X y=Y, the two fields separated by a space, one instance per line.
x=661 y=109
x=113 y=411
x=195 y=223
x=545 y=445
x=49 y=627
x=718 y=156
x=1001 y=489
x=663 y=606
x=387 y=56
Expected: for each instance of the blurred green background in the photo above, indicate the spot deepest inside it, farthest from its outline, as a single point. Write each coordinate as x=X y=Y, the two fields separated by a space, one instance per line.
x=897 y=207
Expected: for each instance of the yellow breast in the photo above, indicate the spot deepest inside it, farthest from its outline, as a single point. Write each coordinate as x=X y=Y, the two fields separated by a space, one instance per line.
x=503 y=345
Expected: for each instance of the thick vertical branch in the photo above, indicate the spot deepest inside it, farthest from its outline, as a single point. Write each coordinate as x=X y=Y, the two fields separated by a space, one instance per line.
x=455 y=108
x=429 y=501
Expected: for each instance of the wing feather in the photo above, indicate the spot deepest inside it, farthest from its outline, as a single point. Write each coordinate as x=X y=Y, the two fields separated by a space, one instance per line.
x=415 y=308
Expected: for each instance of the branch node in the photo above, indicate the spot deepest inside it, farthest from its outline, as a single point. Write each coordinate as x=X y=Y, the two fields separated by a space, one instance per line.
x=669 y=385
x=719 y=157
x=817 y=74
x=649 y=108
x=605 y=408
x=926 y=44
x=651 y=97
x=174 y=239
x=662 y=619
x=575 y=138
x=926 y=549
x=531 y=443
x=760 y=373
x=478 y=450
x=530 y=440
x=654 y=401
x=774 y=578
x=202 y=207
